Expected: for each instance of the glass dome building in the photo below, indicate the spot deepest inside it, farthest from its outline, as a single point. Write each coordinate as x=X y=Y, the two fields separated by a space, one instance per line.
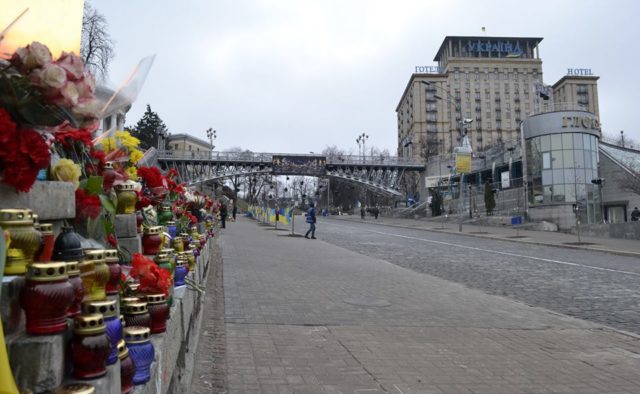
x=561 y=163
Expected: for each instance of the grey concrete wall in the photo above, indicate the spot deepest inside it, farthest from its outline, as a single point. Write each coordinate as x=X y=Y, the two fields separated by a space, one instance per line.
x=613 y=191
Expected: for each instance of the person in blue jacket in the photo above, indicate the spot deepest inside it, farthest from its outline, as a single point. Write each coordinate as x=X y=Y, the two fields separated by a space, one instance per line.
x=311 y=219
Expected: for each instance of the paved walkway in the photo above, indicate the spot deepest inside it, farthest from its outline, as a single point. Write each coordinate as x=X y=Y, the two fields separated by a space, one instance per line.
x=304 y=316
x=628 y=247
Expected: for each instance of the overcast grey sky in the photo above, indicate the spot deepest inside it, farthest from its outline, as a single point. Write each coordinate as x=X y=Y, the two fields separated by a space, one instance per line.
x=298 y=75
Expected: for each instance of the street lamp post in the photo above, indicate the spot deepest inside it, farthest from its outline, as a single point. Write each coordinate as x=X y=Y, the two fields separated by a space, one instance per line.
x=362 y=138
x=211 y=134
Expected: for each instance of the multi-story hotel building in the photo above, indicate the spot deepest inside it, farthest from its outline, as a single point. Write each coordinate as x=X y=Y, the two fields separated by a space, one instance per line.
x=483 y=87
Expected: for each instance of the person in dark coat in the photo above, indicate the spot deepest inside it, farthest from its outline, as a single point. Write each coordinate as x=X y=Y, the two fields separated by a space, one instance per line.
x=635 y=214
x=223 y=214
x=311 y=219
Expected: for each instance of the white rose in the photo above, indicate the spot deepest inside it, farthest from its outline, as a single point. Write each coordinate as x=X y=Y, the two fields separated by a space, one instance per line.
x=70 y=93
x=87 y=108
x=40 y=53
x=53 y=76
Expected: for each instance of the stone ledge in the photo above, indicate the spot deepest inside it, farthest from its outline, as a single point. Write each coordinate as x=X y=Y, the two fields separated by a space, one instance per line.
x=125 y=226
x=38 y=362
x=39 y=199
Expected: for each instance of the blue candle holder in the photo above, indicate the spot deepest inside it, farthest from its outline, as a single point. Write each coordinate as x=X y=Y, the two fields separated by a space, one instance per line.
x=141 y=351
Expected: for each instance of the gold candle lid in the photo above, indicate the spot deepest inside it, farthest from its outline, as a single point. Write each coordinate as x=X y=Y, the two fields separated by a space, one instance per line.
x=153 y=230
x=111 y=255
x=72 y=268
x=128 y=300
x=123 y=350
x=75 y=388
x=107 y=308
x=34 y=217
x=135 y=308
x=165 y=208
x=155 y=298
x=137 y=334
x=177 y=238
x=170 y=223
x=162 y=258
x=96 y=255
x=184 y=235
x=46 y=272
x=125 y=186
x=108 y=165
x=46 y=228
x=16 y=216
x=134 y=286
x=89 y=324
x=181 y=262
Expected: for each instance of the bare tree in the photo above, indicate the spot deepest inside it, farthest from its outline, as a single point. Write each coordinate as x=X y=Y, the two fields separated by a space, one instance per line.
x=97 y=47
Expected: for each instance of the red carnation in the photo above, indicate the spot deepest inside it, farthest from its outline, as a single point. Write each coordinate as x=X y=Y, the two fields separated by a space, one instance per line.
x=151 y=176
x=87 y=205
x=22 y=153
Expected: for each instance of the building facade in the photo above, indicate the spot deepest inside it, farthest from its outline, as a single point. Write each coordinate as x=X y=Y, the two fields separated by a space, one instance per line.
x=186 y=142
x=483 y=87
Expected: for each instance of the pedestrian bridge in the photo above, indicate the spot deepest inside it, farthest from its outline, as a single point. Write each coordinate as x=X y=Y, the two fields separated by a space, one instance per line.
x=381 y=174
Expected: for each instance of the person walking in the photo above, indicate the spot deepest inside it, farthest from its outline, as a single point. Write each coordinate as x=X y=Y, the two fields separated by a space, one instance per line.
x=311 y=219
x=223 y=214
x=635 y=214
x=234 y=211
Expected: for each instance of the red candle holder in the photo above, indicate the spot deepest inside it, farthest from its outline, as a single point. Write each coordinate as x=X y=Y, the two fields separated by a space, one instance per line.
x=127 y=369
x=113 y=263
x=137 y=314
x=48 y=240
x=46 y=298
x=151 y=240
x=159 y=312
x=89 y=347
x=78 y=289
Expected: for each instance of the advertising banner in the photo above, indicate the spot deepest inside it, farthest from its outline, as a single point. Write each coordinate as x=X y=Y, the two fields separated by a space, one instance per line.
x=299 y=165
x=463 y=163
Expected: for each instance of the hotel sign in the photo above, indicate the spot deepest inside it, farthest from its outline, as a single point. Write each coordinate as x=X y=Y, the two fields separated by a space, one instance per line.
x=577 y=122
x=430 y=69
x=582 y=72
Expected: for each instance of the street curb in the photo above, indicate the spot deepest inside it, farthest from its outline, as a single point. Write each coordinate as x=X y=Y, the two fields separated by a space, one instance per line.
x=518 y=240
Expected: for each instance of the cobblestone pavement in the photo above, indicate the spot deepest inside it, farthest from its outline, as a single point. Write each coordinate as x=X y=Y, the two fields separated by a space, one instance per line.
x=595 y=286
x=305 y=316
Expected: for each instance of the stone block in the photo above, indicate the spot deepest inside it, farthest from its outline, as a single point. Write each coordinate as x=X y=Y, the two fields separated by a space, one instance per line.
x=40 y=197
x=125 y=226
x=37 y=361
x=10 y=311
x=131 y=244
x=108 y=384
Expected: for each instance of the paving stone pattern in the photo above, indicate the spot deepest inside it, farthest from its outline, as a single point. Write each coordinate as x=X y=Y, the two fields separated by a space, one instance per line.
x=305 y=316
x=607 y=297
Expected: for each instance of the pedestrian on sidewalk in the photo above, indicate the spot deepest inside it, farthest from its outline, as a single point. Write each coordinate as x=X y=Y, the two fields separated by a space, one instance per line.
x=234 y=211
x=311 y=219
x=635 y=214
x=363 y=212
x=223 y=214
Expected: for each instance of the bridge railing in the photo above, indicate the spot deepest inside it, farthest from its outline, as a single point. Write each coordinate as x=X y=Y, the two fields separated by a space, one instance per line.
x=252 y=157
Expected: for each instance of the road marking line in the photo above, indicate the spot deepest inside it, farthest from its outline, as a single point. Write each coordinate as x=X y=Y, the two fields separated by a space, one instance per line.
x=507 y=253
x=498 y=252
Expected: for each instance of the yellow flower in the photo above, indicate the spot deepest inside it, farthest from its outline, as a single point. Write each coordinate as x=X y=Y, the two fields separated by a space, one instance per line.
x=67 y=171
x=108 y=144
x=135 y=156
x=127 y=140
x=132 y=172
